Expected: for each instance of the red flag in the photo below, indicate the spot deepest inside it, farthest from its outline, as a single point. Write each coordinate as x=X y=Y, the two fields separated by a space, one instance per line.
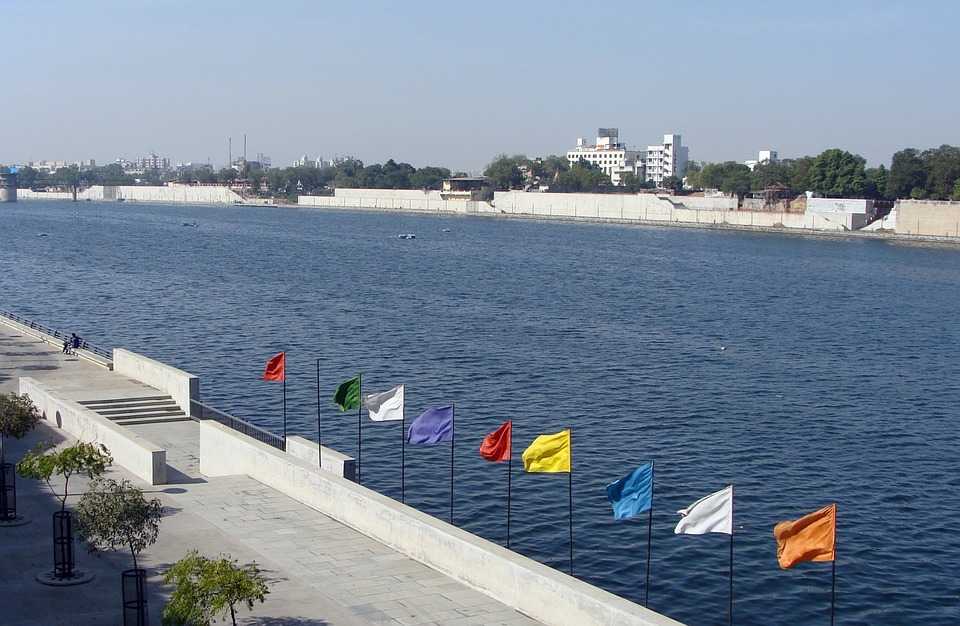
x=276 y=368
x=496 y=445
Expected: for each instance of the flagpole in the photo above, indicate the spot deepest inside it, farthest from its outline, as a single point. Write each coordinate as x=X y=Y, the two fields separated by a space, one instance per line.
x=359 y=426
x=403 y=449
x=570 y=488
x=833 y=575
x=509 y=477
x=453 y=438
x=284 y=406
x=731 y=556
x=646 y=595
x=319 y=432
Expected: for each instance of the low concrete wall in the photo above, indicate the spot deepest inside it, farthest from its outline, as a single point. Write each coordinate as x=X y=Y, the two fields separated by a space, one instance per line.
x=139 y=456
x=334 y=462
x=182 y=386
x=179 y=194
x=375 y=199
x=532 y=588
x=50 y=339
x=928 y=218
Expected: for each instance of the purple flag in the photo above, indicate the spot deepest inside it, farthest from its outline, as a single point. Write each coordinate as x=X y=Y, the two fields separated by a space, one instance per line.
x=433 y=426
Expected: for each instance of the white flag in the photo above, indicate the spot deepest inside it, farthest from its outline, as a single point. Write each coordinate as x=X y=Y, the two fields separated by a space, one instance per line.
x=710 y=514
x=386 y=406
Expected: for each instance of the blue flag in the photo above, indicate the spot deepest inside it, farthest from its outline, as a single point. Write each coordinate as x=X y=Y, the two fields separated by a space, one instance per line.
x=632 y=494
x=433 y=426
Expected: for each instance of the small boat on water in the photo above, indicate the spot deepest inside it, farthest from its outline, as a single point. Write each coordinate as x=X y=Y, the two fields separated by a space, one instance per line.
x=446 y=230
x=190 y=224
x=407 y=236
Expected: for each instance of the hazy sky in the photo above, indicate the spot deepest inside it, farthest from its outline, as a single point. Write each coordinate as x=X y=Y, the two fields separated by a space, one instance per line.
x=455 y=83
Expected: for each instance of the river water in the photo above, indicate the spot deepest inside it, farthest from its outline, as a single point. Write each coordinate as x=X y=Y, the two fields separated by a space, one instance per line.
x=803 y=371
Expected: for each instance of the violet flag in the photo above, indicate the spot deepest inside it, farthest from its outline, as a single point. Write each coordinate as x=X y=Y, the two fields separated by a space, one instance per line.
x=435 y=425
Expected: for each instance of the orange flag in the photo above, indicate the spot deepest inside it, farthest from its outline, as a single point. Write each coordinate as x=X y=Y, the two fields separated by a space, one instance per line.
x=496 y=446
x=276 y=368
x=810 y=538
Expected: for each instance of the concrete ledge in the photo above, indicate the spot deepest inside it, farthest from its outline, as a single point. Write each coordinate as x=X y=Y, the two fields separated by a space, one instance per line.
x=334 y=462
x=182 y=386
x=142 y=458
x=96 y=359
x=530 y=587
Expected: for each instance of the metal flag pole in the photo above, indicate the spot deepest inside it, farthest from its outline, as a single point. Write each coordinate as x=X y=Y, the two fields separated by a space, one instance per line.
x=731 y=556
x=570 y=488
x=403 y=450
x=453 y=438
x=509 y=477
x=646 y=594
x=319 y=432
x=284 y=404
x=833 y=575
x=359 y=426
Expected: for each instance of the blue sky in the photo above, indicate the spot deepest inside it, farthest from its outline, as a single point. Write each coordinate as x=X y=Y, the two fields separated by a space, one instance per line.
x=456 y=83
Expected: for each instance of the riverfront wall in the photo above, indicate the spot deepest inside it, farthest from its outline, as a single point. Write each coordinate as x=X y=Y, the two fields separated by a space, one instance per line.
x=182 y=386
x=929 y=218
x=185 y=194
x=147 y=461
x=530 y=587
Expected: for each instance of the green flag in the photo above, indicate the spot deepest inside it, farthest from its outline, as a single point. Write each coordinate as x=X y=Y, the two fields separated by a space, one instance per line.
x=348 y=394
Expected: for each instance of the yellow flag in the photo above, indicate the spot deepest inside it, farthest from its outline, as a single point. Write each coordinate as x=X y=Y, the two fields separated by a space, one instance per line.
x=548 y=453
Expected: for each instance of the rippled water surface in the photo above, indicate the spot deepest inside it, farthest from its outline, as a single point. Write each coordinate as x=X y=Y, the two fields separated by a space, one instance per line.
x=839 y=381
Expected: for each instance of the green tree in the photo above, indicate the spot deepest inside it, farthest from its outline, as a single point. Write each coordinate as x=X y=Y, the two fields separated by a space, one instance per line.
x=942 y=170
x=205 y=589
x=115 y=514
x=673 y=183
x=583 y=177
x=429 y=177
x=907 y=172
x=956 y=191
x=876 y=184
x=44 y=462
x=837 y=173
x=730 y=177
x=770 y=173
x=18 y=416
x=27 y=177
x=692 y=176
x=504 y=172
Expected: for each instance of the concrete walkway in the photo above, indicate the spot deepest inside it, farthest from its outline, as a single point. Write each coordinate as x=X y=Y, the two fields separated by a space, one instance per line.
x=323 y=572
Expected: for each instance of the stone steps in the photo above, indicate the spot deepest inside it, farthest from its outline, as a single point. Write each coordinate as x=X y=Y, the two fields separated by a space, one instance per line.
x=133 y=411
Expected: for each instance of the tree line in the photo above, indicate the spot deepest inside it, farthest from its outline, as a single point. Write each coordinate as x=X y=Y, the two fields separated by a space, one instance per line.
x=932 y=174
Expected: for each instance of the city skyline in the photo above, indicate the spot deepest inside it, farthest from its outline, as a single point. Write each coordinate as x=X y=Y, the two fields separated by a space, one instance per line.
x=454 y=87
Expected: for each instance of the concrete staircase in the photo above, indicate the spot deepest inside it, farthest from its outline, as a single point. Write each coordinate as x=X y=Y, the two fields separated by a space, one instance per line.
x=134 y=411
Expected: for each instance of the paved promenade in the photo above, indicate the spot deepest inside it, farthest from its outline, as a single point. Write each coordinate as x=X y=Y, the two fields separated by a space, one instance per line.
x=323 y=572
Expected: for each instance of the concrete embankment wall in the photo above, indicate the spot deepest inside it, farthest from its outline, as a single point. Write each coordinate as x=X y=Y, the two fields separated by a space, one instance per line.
x=637 y=208
x=182 y=386
x=333 y=461
x=86 y=355
x=185 y=194
x=928 y=218
x=147 y=461
x=532 y=588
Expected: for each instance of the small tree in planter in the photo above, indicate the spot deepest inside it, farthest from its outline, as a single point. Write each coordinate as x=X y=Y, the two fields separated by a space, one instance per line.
x=43 y=463
x=18 y=416
x=115 y=515
x=205 y=589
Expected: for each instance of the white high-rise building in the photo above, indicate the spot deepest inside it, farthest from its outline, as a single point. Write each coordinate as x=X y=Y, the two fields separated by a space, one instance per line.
x=611 y=156
x=667 y=159
x=764 y=156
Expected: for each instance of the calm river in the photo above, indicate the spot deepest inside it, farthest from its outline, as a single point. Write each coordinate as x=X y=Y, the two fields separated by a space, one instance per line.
x=838 y=381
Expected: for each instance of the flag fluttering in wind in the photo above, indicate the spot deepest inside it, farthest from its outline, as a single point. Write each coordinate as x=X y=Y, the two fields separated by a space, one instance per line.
x=386 y=406
x=710 y=514
x=434 y=426
x=810 y=538
x=348 y=394
x=496 y=445
x=632 y=494
x=276 y=368
x=548 y=453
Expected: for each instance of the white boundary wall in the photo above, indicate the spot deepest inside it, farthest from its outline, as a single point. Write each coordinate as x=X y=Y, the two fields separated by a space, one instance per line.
x=182 y=386
x=333 y=461
x=532 y=588
x=392 y=199
x=181 y=194
x=86 y=355
x=145 y=460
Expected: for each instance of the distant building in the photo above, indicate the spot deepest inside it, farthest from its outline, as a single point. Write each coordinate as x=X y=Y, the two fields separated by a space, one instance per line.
x=466 y=188
x=152 y=162
x=665 y=160
x=612 y=157
x=764 y=156
x=305 y=161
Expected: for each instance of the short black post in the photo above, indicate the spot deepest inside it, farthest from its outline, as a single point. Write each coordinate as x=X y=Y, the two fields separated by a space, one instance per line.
x=134 y=582
x=8 y=492
x=63 y=545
